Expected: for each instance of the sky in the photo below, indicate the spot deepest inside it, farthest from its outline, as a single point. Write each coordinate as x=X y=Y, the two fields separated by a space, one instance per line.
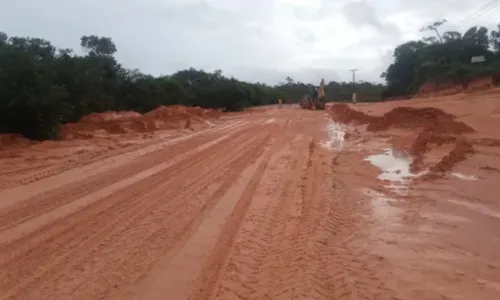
x=252 y=40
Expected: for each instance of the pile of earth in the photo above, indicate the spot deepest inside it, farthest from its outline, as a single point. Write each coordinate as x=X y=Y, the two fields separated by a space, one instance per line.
x=120 y=122
x=447 y=88
x=429 y=132
x=13 y=140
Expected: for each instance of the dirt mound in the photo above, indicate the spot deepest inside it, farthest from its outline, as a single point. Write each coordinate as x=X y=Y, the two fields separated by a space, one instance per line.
x=433 y=89
x=163 y=117
x=109 y=116
x=429 y=143
x=433 y=133
x=402 y=117
x=344 y=114
x=480 y=84
x=415 y=118
x=13 y=140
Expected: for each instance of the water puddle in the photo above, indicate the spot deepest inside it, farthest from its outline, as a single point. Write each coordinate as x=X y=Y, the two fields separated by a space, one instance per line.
x=464 y=176
x=270 y=121
x=395 y=167
x=336 y=136
x=483 y=209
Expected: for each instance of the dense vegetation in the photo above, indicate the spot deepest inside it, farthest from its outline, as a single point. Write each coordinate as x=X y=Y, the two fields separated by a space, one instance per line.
x=443 y=57
x=42 y=87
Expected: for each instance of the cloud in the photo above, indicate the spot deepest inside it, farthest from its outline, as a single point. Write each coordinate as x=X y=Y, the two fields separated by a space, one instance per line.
x=360 y=13
x=258 y=40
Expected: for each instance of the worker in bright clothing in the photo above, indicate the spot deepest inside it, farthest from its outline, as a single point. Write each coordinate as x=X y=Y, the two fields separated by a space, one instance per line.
x=321 y=89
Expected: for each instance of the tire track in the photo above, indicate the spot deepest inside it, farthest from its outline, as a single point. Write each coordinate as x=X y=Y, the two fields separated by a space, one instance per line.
x=338 y=263
x=156 y=239
x=312 y=283
x=169 y=170
x=146 y=184
x=92 y=174
x=43 y=235
x=304 y=244
x=254 y=270
x=331 y=260
x=41 y=204
x=295 y=231
x=354 y=271
x=133 y=209
x=251 y=270
x=296 y=257
x=290 y=257
x=211 y=272
x=84 y=160
x=189 y=252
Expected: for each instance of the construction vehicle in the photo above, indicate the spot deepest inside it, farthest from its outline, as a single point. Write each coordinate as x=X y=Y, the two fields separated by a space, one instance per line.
x=316 y=99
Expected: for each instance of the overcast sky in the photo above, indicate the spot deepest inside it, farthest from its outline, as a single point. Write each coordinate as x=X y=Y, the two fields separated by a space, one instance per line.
x=254 y=40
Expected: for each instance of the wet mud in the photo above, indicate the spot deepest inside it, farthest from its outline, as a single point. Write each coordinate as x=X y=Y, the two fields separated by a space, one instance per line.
x=395 y=200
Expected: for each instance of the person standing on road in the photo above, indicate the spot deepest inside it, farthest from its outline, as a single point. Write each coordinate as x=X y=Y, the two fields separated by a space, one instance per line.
x=280 y=102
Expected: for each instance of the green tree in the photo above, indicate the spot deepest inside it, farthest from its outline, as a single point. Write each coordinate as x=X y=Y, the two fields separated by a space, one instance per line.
x=42 y=87
x=101 y=46
x=448 y=60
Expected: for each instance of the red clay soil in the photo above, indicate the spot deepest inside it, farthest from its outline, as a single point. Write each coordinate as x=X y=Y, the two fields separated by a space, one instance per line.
x=253 y=207
x=402 y=117
x=13 y=140
x=430 y=127
x=480 y=84
x=433 y=89
x=419 y=118
x=426 y=139
x=109 y=116
x=163 y=117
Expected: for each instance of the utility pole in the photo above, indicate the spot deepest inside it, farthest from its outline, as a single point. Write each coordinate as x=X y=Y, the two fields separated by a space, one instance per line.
x=353 y=85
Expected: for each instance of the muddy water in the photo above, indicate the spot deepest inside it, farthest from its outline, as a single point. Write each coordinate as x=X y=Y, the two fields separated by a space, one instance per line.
x=335 y=133
x=395 y=167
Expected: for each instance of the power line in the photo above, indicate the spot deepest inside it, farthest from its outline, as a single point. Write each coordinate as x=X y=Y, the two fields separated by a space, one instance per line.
x=484 y=10
x=478 y=12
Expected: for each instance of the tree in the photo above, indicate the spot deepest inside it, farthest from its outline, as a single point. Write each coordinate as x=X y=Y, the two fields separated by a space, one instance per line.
x=452 y=36
x=447 y=61
x=42 y=87
x=434 y=27
x=495 y=39
x=477 y=37
x=95 y=45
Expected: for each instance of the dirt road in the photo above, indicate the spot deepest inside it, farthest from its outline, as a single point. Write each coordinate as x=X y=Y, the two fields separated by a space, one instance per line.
x=270 y=204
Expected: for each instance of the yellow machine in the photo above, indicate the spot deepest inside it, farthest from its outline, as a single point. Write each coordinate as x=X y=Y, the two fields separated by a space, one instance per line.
x=316 y=100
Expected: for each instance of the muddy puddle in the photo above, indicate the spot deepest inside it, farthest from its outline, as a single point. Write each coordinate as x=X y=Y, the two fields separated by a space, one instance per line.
x=464 y=176
x=335 y=136
x=395 y=166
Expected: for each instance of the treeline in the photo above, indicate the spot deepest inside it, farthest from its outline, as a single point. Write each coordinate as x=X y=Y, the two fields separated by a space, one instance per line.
x=42 y=87
x=443 y=57
x=334 y=91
